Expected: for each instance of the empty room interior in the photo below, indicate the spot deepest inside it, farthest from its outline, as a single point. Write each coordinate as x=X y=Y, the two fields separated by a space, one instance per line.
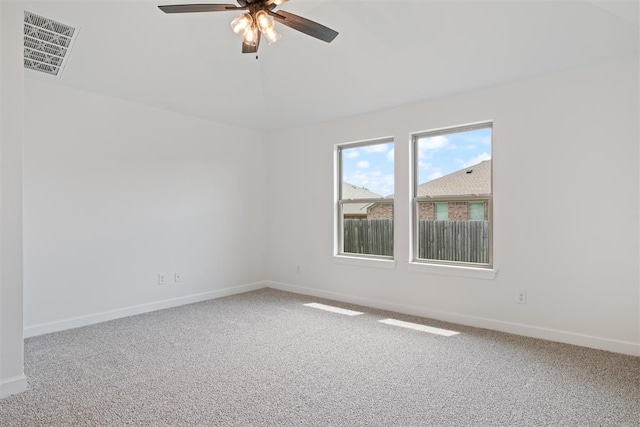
x=320 y=212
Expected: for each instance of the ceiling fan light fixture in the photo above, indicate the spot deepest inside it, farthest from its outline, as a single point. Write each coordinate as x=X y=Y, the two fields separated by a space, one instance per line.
x=250 y=37
x=258 y=20
x=265 y=22
x=242 y=23
x=272 y=35
x=267 y=27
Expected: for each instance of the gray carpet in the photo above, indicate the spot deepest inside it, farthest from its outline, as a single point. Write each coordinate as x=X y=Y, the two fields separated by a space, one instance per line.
x=262 y=358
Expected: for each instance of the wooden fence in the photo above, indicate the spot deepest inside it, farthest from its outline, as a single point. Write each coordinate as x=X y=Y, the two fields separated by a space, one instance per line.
x=368 y=236
x=463 y=241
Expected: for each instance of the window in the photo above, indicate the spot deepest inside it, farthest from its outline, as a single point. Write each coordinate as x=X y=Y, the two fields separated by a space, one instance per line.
x=442 y=211
x=452 y=195
x=476 y=211
x=365 y=199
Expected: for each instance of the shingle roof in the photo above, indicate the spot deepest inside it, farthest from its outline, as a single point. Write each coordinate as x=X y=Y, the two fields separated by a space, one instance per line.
x=350 y=191
x=475 y=179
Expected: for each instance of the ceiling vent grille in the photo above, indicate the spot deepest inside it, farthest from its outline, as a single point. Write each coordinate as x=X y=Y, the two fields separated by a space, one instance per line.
x=47 y=44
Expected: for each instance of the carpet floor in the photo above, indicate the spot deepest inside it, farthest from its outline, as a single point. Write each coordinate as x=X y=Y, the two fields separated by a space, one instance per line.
x=264 y=359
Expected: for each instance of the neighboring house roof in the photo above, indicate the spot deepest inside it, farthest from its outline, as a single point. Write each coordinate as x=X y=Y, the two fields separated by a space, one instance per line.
x=475 y=179
x=350 y=191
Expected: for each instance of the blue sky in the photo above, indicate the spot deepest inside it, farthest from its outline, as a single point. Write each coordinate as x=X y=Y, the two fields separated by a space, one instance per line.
x=372 y=166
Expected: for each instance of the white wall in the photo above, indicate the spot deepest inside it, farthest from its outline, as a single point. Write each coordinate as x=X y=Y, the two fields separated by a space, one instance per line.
x=116 y=192
x=566 y=190
x=12 y=379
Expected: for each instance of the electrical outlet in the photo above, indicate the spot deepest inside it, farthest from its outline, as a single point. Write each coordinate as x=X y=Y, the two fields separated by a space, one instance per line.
x=161 y=279
x=298 y=269
x=176 y=277
x=522 y=297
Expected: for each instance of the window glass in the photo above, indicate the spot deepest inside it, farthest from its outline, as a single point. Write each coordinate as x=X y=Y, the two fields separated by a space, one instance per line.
x=452 y=195
x=365 y=203
x=476 y=211
x=442 y=154
x=442 y=211
x=367 y=170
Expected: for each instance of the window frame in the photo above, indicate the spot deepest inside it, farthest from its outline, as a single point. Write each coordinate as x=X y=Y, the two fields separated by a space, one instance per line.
x=415 y=200
x=340 y=202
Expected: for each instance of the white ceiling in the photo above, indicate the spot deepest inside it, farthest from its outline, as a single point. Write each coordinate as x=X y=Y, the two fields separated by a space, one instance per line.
x=388 y=53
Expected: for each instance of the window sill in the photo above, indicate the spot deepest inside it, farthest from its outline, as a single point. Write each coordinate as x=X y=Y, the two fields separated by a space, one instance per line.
x=454 y=270
x=387 y=264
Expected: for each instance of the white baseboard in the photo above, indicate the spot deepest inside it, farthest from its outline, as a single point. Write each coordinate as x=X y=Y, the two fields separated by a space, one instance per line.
x=600 y=343
x=11 y=386
x=77 y=322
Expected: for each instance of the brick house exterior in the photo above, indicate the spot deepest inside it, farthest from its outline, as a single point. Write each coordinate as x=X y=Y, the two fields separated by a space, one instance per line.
x=458 y=211
x=474 y=180
x=356 y=210
x=380 y=211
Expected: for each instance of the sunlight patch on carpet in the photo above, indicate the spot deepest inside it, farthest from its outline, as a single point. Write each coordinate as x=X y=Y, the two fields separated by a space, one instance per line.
x=417 y=327
x=333 y=309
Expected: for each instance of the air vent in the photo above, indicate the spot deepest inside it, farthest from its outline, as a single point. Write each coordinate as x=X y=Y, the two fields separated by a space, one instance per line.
x=47 y=44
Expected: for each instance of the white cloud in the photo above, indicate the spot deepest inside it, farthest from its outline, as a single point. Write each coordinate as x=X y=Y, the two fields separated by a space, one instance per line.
x=363 y=164
x=424 y=165
x=435 y=175
x=373 y=180
x=427 y=147
x=485 y=140
x=428 y=171
x=390 y=155
x=351 y=154
x=376 y=148
x=383 y=185
x=434 y=142
x=474 y=160
x=358 y=178
x=472 y=138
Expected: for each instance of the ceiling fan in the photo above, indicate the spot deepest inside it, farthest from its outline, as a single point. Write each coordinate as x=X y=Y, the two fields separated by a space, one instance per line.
x=258 y=20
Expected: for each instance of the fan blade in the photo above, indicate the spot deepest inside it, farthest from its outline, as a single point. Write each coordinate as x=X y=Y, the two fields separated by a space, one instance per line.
x=305 y=25
x=247 y=48
x=189 y=8
x=275 y=2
